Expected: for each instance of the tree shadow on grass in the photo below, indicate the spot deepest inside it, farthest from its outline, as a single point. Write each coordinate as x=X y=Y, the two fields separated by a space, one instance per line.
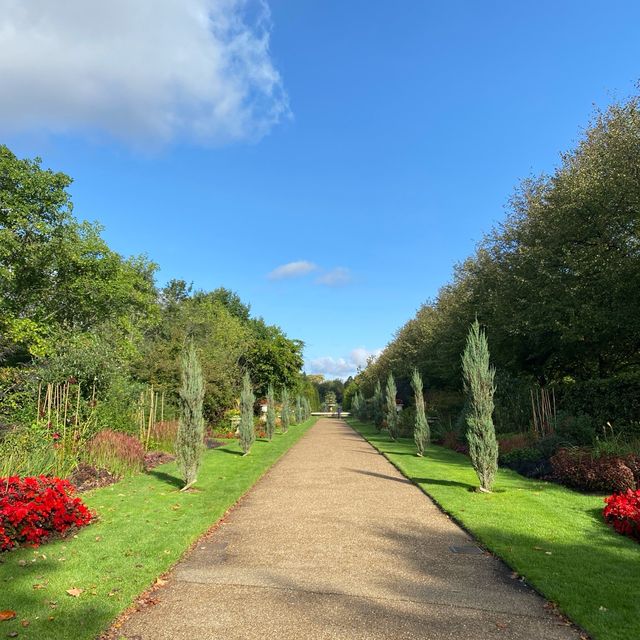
x=230 y=451
x=174 y=481
x=446 y=483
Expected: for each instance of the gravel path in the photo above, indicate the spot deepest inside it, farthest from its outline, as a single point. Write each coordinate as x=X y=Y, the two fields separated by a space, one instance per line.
x=335 y=543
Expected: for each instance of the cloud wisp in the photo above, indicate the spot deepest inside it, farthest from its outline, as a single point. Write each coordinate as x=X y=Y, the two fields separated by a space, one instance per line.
x=292 y=270
x=337 y=277
x=147 y=72
x=342 y=367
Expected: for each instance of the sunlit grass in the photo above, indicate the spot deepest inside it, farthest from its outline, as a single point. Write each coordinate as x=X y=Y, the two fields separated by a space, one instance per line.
x=551 y=535
x=145 y=526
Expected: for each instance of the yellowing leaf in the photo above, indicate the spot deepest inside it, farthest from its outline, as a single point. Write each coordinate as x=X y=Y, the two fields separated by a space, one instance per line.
x=75 y=592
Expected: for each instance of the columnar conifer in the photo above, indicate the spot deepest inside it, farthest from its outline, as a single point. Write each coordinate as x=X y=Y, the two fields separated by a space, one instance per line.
x=189 y=441
x=378 y=406
x=285 y=415
x=271 y=412
x=247 y=429
x=392 y=412
x=421 y=432
x=479 y=386
x=355 y=405
x=299 y=411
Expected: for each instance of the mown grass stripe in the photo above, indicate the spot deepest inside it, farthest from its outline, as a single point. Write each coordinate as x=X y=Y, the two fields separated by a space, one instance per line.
x=145 y=526
x=552 y=536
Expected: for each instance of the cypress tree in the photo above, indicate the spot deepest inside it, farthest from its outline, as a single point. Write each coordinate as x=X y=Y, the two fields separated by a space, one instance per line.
x=189 y=440
x=271 y=412
x=247 y=429
x=299 y=412
x=479 y=386
x=378 y=406
x=285 y=416
x=392 y=413
x=421 y=433
x=355 y=405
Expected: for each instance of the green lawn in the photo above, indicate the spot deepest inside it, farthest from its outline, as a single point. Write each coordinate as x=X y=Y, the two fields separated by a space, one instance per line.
x=145 y=526
x=552 y=536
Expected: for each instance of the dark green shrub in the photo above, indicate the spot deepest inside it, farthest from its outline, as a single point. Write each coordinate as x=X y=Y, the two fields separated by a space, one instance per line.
x=575 y=429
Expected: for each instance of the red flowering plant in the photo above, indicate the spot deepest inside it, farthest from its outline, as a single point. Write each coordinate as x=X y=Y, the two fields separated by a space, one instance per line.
x=623 y=512
x=34 y=508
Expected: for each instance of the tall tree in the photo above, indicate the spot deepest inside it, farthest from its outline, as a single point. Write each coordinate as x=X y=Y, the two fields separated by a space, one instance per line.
x=391 y=408
x=189 y=441
x=479 y=386
x=378 y=406
x=285 y=411
x=421 y=432
x=271 y=412
x=247 y=429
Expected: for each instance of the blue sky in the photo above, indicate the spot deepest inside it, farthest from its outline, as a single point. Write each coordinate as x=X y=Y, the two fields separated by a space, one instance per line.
x=371 y=142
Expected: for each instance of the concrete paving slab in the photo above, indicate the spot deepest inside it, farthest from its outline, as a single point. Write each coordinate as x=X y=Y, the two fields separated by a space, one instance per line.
x=335 y=543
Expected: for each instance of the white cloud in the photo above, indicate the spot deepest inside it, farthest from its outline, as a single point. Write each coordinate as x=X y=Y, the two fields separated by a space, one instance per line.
x=336 y=277
x=292 y=270
x=342 y=367
x=149 y=70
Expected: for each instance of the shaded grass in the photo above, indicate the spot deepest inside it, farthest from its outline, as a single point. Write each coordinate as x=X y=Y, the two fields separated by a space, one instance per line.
x=552 y=536
x=145 y=526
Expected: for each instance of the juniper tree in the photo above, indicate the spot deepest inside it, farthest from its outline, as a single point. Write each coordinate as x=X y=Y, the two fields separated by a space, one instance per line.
x=189 y=440
x=299 y=413
x=421 y=433
x=285 y=416
x=246 y=428
x=392 y=412
x=479 y=388
x=378 y=406
x=307 y=408
x=355 y=405
x=271 y=412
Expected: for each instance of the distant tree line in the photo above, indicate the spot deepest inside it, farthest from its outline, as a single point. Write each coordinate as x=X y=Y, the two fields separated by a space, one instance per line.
x=556 y=288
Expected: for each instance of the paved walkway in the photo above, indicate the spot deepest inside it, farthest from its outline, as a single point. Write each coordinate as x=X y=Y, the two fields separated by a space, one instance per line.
x=333 y=543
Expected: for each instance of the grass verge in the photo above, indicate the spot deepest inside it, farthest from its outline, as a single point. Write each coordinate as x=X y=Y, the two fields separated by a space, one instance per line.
x=145 y=526
x=552 y=536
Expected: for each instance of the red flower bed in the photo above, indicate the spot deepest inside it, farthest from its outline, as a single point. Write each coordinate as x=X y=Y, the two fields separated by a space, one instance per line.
x=623 y=512
x=32 y=509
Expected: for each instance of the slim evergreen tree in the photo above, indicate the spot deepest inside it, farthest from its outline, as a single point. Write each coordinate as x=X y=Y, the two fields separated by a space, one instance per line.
x=247 y=429
x=299 y=412
x=189 y=440
x=421 y=432
x=392 y=412
x=378 y=406
x=285 y=416
x=271 y=412
x=479 y=386
x=355 y=405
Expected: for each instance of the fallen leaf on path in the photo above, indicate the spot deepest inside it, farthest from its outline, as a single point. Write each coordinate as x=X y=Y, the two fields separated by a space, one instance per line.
x=75 y=592
x=160 y=582
x=8 y=614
